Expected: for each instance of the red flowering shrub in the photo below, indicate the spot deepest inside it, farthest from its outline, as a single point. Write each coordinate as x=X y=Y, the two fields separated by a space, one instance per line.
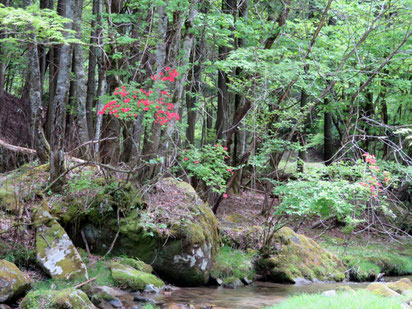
x=372 y=179
x=155 y=104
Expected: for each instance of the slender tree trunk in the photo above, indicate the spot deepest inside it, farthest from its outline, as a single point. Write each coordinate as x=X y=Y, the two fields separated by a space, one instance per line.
x=60 y=99
x=79 y=81
x=302 y=135
x=151 y=144
x=327 y=134
x=91 y=74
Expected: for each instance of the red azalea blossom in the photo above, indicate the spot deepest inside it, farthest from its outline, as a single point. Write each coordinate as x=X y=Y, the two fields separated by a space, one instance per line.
x=186 y=158
x=161 y=110
x=224 y=195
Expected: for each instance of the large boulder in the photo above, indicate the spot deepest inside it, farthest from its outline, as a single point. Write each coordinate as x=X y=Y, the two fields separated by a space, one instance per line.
x=13 y=283
x=298 y=256
x=180 y=246
x=402 y=286
x=55 y=252
x=62 y=299
x=381 y=289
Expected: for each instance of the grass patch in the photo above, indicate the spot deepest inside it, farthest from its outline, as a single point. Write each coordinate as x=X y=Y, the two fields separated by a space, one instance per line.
x=366 y=260
x=347 y=300
x=231 y=262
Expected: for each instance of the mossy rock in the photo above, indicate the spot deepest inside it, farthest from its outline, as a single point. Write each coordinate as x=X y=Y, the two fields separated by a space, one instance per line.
x=402 y=286
x=55 y=252
x=232 y=283
x=18 y=185
x=137 y=264
x=298 y=256
x=13 y=283
x=51 y=299
x=127 y=277
x=184 y=257
x=344 y=288
x=381 y=289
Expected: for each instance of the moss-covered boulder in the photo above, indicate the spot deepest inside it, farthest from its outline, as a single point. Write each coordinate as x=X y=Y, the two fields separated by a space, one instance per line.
x=51 y=299
x=127 y=277
x=298 y=256
x=13 y=283
x=344 y=288
x=55 y=252
x=180 y=246
x=18 y=185
x=403 y=286
x=381 y=289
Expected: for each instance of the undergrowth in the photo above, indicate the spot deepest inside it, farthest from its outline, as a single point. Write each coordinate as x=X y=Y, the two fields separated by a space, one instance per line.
x=233 y=263
x=366 y=260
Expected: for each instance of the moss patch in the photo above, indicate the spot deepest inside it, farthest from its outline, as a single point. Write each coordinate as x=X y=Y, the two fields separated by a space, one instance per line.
x=366 y=260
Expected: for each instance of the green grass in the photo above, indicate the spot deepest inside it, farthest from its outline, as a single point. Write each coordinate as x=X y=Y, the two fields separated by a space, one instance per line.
x=347 y=300
x=233 y=263
x=366 y=260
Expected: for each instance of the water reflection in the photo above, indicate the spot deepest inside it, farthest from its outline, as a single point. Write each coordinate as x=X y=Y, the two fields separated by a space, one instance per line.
x=255 y=296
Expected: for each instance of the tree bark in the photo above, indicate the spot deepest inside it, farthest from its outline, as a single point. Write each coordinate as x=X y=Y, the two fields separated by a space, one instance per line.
x=59 y=103
x=79 y=81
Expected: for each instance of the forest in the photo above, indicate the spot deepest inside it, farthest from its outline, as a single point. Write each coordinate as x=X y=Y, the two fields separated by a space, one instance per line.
x=205 y=154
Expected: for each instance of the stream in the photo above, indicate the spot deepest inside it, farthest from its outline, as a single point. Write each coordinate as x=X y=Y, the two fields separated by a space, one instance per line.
x=257 y=295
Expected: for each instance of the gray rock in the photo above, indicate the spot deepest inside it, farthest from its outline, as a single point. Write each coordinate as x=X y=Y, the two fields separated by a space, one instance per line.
x=150 y=288
x=329 y=293
x=232 y=283
x=144 y=299
x=246 y=281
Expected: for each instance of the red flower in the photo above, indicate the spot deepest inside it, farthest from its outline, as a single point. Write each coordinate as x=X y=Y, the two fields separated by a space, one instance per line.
x=224 y=195
x=186 y=158
x=196 y=162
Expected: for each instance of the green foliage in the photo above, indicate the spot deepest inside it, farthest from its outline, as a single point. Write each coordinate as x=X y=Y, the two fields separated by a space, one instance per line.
x=20 y=255
x=341 y=190
x=233 y=263
x=347 y=300
x=208 y=164
x=82 y=181
x=47 y=25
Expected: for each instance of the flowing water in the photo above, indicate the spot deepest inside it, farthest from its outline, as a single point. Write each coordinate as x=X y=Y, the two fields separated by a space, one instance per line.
x=257 y=295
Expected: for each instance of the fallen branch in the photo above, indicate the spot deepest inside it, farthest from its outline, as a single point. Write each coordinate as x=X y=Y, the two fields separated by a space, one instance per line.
x=16 y=148
x=86 y=282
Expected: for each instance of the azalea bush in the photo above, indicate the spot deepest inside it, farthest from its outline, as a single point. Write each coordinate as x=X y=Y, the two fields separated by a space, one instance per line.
x=342 y=190
x=353 y=193
x=208 y=164
x=128 y=102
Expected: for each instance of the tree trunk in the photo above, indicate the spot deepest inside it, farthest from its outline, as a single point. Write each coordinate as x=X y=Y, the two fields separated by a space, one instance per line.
x=79 y=81
x=59 y=103
x=327 y=134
